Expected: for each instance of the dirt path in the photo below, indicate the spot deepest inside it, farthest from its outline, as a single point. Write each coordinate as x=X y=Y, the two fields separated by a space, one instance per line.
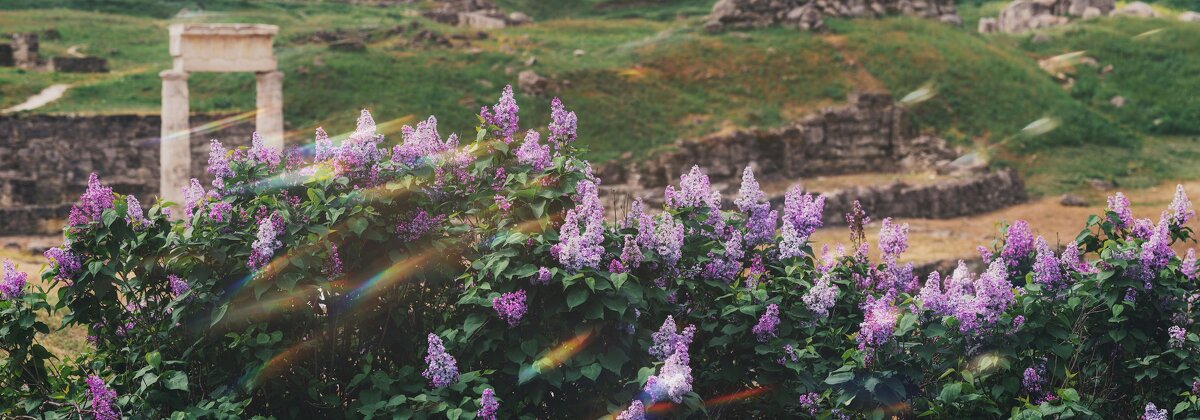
x=47 y=95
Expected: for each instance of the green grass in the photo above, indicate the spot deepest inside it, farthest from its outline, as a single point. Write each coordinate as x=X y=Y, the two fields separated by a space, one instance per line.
x=650 y=76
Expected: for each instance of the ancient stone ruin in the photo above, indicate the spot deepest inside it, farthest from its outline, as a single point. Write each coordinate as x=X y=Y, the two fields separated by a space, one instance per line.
x=22 y=52
x=45 y=162
x=215 y=48
x=807 y=14
x=869 y=140
x=1027 y=15
x=477 y=14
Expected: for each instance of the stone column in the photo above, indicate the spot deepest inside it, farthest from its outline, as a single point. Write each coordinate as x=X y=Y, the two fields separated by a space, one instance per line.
x=175 y=154
x=269 y=120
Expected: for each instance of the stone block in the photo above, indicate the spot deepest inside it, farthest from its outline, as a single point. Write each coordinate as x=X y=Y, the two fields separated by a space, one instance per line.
x=222 y=47
x=79 y=65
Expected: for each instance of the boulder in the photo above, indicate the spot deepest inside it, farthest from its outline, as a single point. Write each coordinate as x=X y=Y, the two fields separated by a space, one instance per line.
x=518 y=18
x=1079 y=7
x=531 y=82
x=1190 y=16
x=1117 y=101
x=1073 y=200
x=1136 y=9
x=1092 y=13
x=988 y=25
x=481 y=20
x=1025 y=15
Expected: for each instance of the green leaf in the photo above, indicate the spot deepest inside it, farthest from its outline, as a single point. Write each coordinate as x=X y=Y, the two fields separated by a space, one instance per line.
x=473 y=322
x=839 y=378
x=454 y=414
x=951 y=392
x=176 y=380
x=591 y=371
x=613 y=360
x=618 y=280
x=154 y=358
x=576 y=297
x=218 y=314
x=358 y=225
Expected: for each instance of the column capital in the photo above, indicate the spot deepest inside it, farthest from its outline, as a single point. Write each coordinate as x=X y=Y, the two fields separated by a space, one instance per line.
x=173 y=75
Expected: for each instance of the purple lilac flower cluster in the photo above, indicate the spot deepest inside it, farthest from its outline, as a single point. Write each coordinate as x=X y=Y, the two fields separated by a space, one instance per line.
x=218 y=163
x=443 y=369
x=510 y=306
x=1180 y=209
x=563 y=124
x=1033 y=379
x=178 y=285
x=421 y=142
x=760 y=219
x=809 y=402
x=13 y=284
x=261 y=153
x=666 y=341
x=533 y=154
x=267 y=241
x=821 y=296
x=67 y=263
x=1189 y=267
x=1152 y=412
x=503 y=115
x=879 y=320
x=1047 y=270
x=631 y=253
x=488 y=406
x=92 y=203
x=417 y=225
x=134 y=214
x=694 y=191
x=1177 y=336
x=578 y=249
x=768 y=323
x=103 y=399
x=193 y=200
x=668 y=239
x=974 y=302
x=1156 y=251
x=674 y=378
x=1018 y=243
x=636 y=411
x=893 y=239
x=801 y=217
x=1119 y=205
x=543 y=276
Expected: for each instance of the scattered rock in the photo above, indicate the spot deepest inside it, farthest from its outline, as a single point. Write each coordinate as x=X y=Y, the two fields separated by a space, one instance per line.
x=530 y=61
x=1101 y=184
x=580 y=53
x=1106 y=70
x=1190 y=16
x=531 y=82
x=1136 y=9
x=1073 y=200
x=1117 y=101
x=481 y=20
x=988 y=25
x=1092 y=13
x=518 y=18
x=1025 y=15
x=479 y=14
x=807 y=15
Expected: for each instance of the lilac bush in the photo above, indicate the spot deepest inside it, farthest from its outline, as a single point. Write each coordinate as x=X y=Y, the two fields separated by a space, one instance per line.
x=433 y=276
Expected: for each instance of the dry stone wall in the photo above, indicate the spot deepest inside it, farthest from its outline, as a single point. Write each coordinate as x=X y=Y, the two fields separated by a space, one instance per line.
x=807 y=14
x=45 y=161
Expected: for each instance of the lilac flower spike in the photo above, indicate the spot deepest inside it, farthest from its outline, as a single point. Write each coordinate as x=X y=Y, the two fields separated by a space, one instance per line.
x=1046 y=268
x=1181 y=208
x=67 y=263
x=103 y=399
x=488 y=406
x=193 y=199
x=803 y=211
x=563 y=125
x=93 y=202
x=636 y=411
x=1154 y=413
x=667 y=341
x=503 y=115
x=893 y=239
x=324 y=148
x=510 y=306
x=1119 y=204
x=533 y=154
x=218 y=164
x=767 y=324
x=262 y=153
x=1018 y=243
x=178 y=285
x=13 y=284
x=668 y=239
x=674 y=379
x=821 y=296
x=543 y=276
x=760 y=219
x=694 y=191
x=1189 y=266
x=582 y=248
x=133 y=213
x=443 y=369
x=267 y=241
x=750 y=196
x=879 y=320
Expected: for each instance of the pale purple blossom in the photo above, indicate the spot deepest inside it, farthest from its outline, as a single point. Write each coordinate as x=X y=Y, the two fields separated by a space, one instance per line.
x=503 y=115
x=1154 y=413
x=563 y=124
x=666 y=341
x=631 y=253
x=1018 y=243
x=1046 y=268
x=218 y=164
x=1181 y=208
x=767 y=324
x=579 y=248
x=542 y=277
x=640 y=220
x=193 y=199
x=694 y=191
x=1142 y=229
x=809 y=402
x=443 y=369
x=1120 y=205
x=1189 y=267
x=67 y=262
x=178 y=285
x=1071 y=260
x=220 y=211
x=324 y=148
x=103 y=399
x=636 y=411
x=674 y=379
x=1177 y=336
x=615 y=266
x=417 y=224
x=821 y=296
x=893 y=239
x=488 y=406
x=92 y=203
x=803 y=212
x=134 y=214
x=510 y=307
x=360 y=150
x=668 y=239
x=750 y=196
x=1032 y=380
x=13 y=284
x=533 y=154
x=421 y=143
x=333 y=264
x=879 y=320
x=266 y=242
x=984 y=254
x=261 y=153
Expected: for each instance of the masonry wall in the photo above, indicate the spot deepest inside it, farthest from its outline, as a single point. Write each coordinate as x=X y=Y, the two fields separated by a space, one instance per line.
x=45 y=161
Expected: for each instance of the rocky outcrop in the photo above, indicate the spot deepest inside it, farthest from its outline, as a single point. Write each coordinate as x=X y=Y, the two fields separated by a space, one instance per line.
x=1026 y=15
x=477 y=14
x=1189 y=17
x=1136 y=9
x=45 y=161
x=807 y=14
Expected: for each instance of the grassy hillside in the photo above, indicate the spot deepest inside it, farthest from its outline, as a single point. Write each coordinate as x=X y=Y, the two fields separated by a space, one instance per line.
x=649 y=75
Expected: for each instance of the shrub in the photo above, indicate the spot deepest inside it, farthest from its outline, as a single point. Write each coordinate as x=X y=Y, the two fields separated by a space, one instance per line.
x=461 y=279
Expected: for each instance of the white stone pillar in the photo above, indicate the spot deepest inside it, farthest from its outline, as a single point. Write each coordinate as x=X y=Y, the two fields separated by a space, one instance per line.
x=175 y=154
x=269 y=120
